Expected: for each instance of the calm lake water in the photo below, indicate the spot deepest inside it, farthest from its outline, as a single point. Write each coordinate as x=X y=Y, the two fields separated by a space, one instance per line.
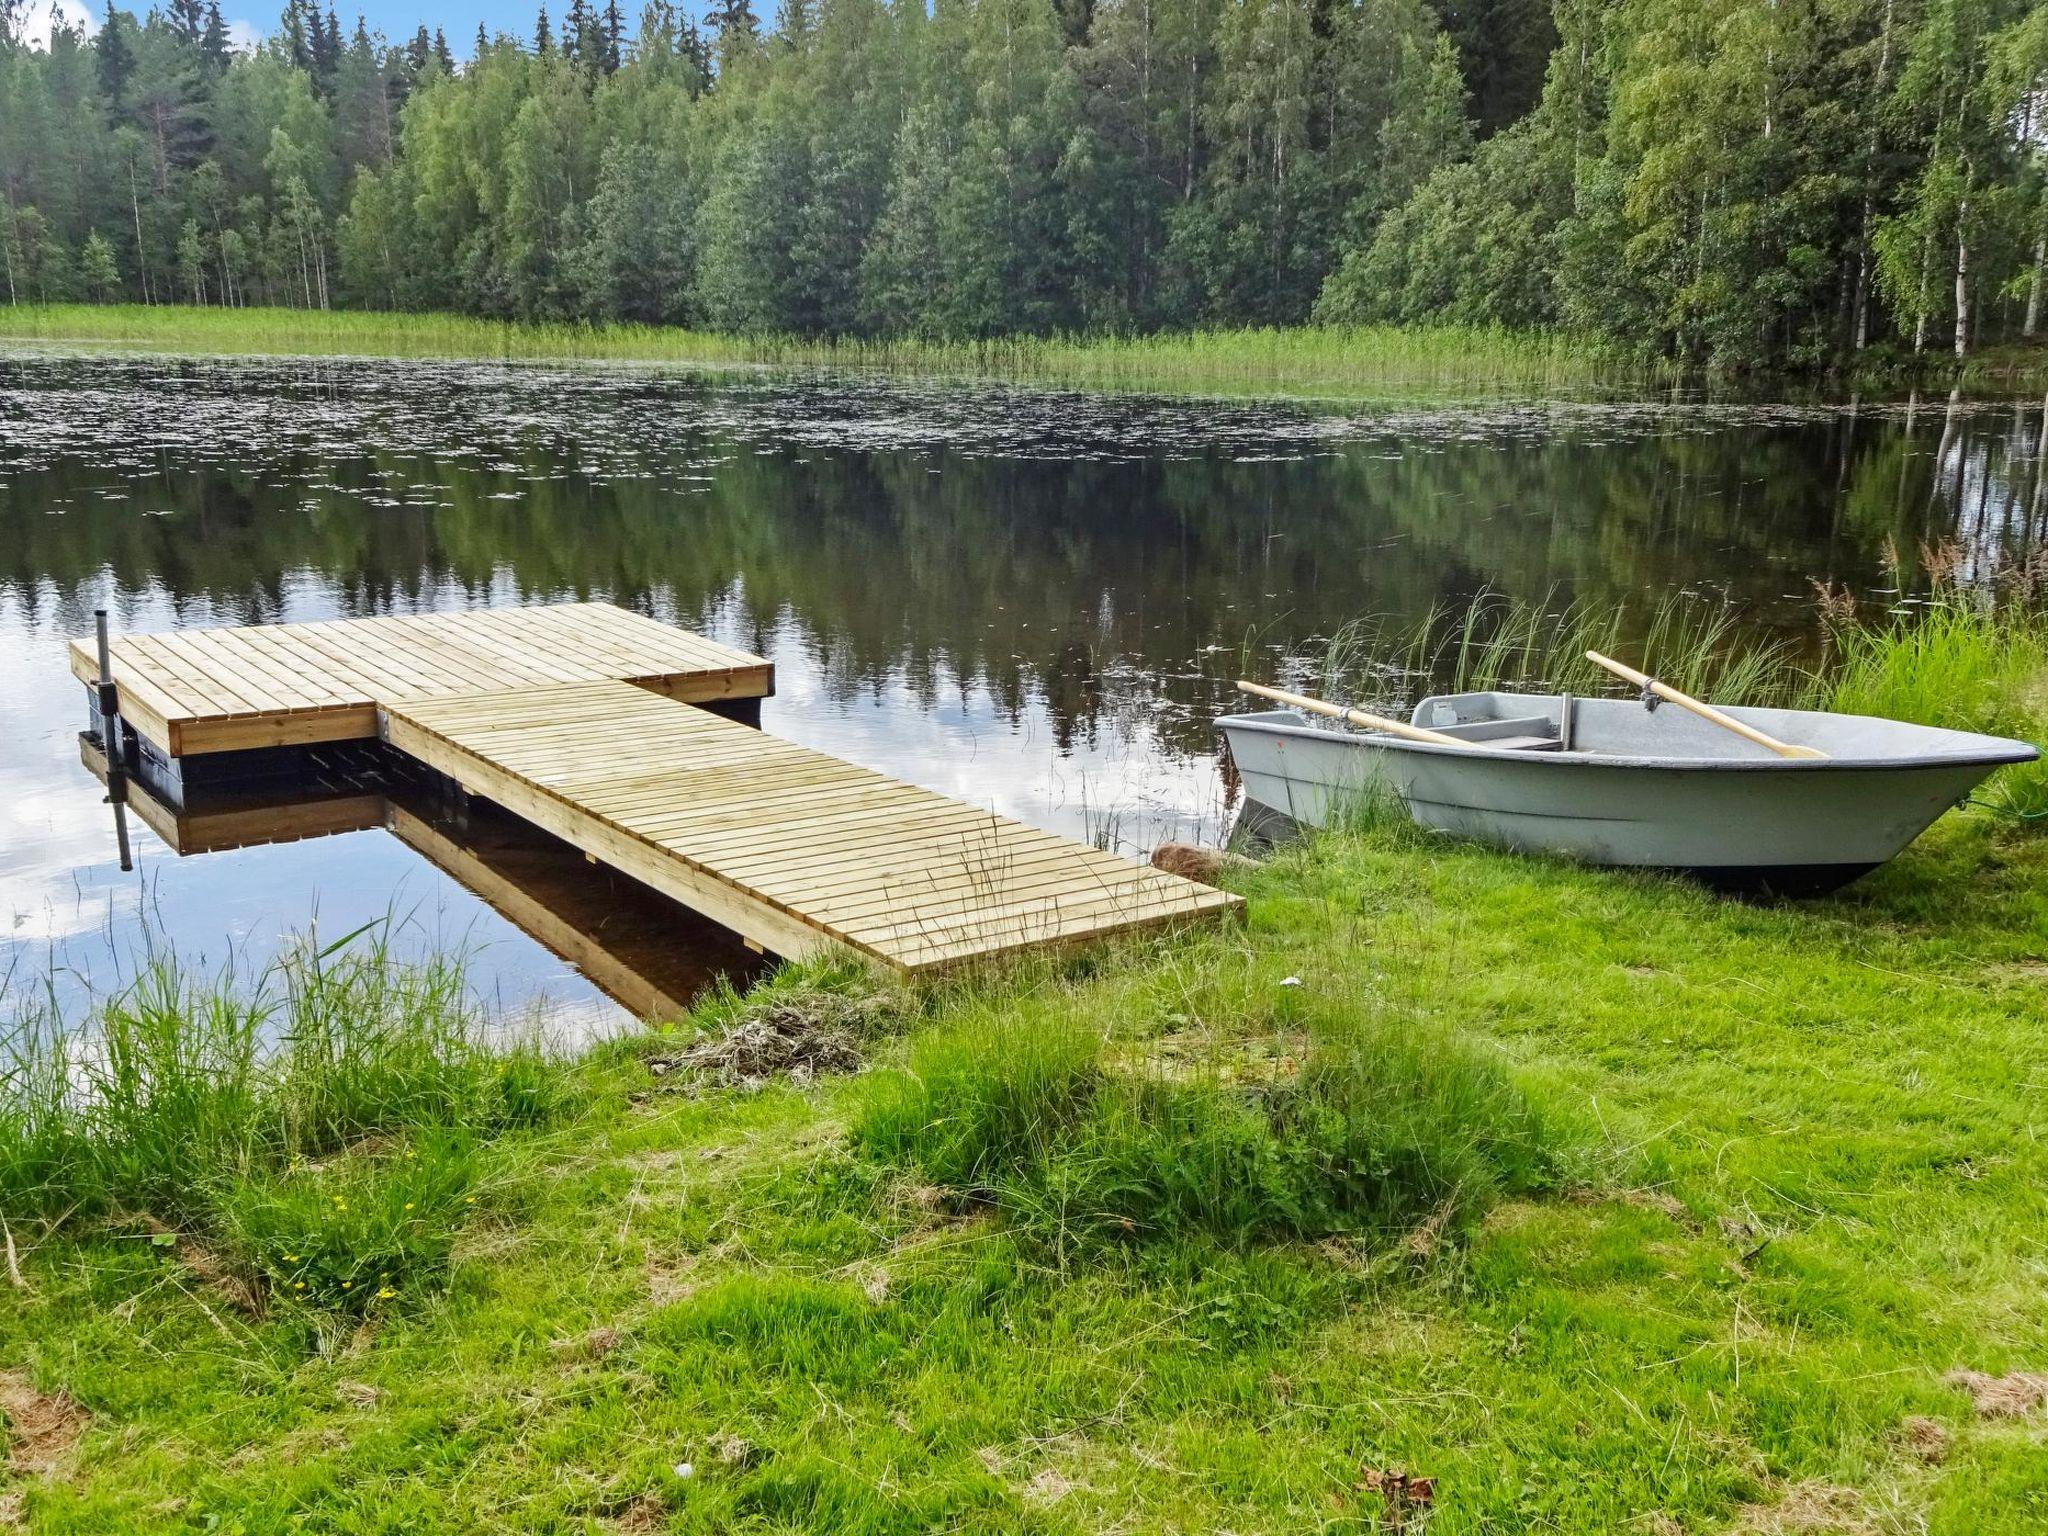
x=1030 y=599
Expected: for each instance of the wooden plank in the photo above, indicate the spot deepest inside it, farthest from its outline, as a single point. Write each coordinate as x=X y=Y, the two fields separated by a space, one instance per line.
x=788 y=836
x=227 y=689
x=677 y=877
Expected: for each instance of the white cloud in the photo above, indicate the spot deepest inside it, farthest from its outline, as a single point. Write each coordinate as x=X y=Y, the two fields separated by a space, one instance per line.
x=244 y=37
x=42 y=15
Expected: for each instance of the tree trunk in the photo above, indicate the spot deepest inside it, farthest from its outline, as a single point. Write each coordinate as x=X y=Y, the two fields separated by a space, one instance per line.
x=141 y=258
x=1962 y=280
x=2033 y=320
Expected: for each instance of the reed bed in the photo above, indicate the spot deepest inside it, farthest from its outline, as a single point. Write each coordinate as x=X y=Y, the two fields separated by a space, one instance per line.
x=1307 y=360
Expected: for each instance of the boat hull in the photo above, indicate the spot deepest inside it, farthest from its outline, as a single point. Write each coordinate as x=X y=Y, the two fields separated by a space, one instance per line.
x=1785 y=826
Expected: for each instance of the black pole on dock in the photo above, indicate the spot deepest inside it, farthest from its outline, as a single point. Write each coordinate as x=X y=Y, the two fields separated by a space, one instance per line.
x=110 y=741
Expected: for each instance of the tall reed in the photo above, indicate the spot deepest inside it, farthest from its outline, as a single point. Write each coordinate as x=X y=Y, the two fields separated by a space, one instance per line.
x=1306 y=360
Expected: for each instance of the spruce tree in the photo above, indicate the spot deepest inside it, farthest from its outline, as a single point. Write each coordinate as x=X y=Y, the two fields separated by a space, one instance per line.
x=187 y=19
x=213 y=42
x=543 y=38
x=441 y=53
x=114 y=53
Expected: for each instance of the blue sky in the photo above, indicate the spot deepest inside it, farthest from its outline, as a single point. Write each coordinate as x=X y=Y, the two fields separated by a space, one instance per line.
x=250 y=19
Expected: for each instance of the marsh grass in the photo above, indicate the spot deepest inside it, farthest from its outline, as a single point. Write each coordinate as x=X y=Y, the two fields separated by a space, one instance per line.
x=1320 y=361
x=340 y=1079
x=1495 y=641
x=1962 y=661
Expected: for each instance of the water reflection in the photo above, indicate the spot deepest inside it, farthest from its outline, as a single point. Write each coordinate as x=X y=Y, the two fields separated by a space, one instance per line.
x=1033 y=600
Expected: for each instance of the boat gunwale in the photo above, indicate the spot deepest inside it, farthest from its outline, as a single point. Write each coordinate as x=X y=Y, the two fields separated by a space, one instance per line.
x=2014 y=751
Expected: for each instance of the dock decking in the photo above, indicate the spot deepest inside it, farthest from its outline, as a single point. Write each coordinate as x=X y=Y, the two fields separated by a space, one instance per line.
x=197 y=691
x=582 y=718
x=793 y=849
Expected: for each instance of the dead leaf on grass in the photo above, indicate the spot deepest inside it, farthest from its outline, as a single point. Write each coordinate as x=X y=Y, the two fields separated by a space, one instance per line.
x=1408 y=1500
x=357 y=1394
x=42 y=1427
x=2002 y=1397
x=594 y=1345
x=1924 y=1438
x=1807 y=1509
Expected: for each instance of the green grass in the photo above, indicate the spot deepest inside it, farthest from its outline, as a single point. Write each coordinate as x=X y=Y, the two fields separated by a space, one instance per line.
x=1312 y=361
x=1789 y=1173
x=312 y=1131
x=1367 y=1127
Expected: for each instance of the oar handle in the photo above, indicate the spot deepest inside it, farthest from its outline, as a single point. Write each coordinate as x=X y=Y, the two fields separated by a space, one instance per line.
x=1355 y=716
x=1727 y=722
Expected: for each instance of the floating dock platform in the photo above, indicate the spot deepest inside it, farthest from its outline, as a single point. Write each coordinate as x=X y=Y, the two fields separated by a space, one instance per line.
x=637 y=743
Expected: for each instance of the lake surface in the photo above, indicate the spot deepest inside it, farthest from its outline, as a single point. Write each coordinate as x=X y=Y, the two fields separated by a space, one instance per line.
x=1033 y=600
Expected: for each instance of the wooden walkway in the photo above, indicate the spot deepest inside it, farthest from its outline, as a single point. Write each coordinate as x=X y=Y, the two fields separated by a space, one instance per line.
x=582 y=719
x=797 y=851
x=195 y=691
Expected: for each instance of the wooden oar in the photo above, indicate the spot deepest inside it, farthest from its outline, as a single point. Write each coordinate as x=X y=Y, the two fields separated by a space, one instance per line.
x=1356 y=717
x=1705 y=711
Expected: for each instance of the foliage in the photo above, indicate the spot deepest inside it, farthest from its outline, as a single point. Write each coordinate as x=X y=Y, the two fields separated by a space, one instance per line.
x=1729 y=183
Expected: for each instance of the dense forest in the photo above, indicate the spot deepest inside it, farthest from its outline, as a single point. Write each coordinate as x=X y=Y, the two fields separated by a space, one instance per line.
x=1736 y=182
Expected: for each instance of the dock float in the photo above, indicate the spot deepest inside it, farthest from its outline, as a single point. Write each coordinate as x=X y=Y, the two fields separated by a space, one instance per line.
x=603 y=728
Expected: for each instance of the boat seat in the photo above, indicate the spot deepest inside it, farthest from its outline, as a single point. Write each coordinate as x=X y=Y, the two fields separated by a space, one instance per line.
x=1527 y=733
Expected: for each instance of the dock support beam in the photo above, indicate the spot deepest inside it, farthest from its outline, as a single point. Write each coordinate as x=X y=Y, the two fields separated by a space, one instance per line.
x=110 y=741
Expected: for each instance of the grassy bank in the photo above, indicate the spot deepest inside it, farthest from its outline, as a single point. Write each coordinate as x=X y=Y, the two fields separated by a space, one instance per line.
x=1605 y=1203
x=1336 y=363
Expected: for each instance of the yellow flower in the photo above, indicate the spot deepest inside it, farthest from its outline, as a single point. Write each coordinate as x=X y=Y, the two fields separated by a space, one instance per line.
x=386 y=1294
x=348 y=1285
x=469 y=1199
x=299 y=1286
x=291 y=1258
x=408 y=1205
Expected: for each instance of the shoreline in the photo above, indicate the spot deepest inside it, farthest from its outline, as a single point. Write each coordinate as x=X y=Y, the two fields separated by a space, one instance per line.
x=1304 y=363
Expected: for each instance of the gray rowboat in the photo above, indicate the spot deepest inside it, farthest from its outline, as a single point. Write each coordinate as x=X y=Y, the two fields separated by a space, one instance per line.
x=1610 y=782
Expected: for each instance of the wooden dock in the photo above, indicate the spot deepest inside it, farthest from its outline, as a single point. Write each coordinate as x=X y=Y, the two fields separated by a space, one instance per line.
x=583 y=720
x=198 y=691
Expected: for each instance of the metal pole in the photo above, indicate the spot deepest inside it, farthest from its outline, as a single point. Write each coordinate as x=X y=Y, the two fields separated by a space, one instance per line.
x=109 y=695
x=110 y=741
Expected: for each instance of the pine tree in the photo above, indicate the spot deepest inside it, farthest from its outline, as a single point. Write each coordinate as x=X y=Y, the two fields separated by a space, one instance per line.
x=441 y=53
x=614 y=37
x=543 y=39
